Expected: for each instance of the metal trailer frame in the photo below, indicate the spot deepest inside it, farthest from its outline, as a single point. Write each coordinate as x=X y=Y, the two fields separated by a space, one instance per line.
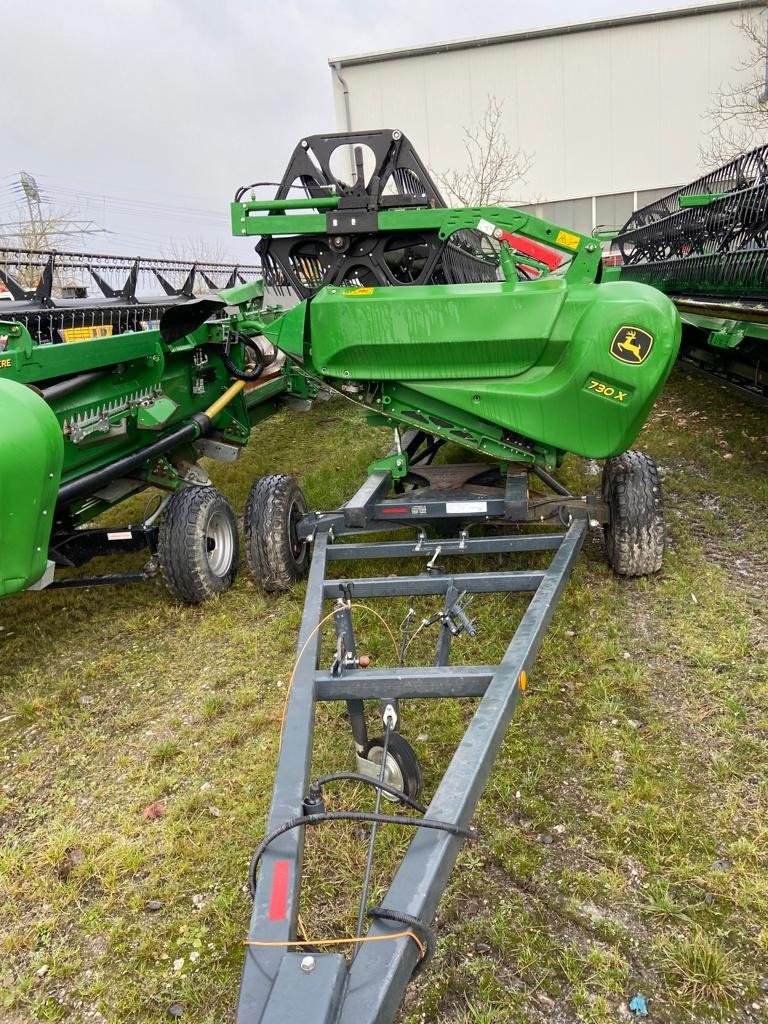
x=283 y=980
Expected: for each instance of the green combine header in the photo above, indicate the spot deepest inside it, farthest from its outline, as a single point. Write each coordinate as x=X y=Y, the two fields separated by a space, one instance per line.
x=87 y=424
x=706 y=246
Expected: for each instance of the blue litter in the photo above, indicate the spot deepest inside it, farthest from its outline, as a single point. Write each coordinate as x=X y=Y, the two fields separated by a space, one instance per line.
x=638 y=1005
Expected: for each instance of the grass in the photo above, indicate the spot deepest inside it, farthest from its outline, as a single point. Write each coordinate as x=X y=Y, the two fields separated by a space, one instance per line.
x=641 y=749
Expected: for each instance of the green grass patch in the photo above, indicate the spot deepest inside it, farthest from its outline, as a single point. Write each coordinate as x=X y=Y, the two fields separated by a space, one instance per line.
x=641 y=752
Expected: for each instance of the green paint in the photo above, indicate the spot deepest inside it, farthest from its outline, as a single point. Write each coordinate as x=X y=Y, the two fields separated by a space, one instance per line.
x=31 y=457
x=148 y=388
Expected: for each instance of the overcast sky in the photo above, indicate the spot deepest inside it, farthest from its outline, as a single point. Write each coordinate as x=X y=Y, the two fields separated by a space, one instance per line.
x=144 y=115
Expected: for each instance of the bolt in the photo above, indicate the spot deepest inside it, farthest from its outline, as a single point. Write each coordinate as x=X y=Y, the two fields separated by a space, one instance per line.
x=396 y=135
x=591 y=248
x=308 y=964
x=304 y=145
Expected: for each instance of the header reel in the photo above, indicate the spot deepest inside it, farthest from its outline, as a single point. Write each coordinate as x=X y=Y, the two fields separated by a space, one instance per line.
x=368 y=172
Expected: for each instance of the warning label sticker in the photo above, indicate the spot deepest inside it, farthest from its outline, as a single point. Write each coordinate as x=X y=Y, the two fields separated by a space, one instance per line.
x=568 y=239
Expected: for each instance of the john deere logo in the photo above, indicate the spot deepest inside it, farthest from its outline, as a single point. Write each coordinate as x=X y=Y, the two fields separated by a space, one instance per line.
x=631 y=345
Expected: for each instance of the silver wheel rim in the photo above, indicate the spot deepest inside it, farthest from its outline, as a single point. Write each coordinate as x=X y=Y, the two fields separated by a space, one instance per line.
x=392 y=774
x=219 y=544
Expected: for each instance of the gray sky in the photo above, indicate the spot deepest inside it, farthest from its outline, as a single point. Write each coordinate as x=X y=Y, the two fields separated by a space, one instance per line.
x=144 y=115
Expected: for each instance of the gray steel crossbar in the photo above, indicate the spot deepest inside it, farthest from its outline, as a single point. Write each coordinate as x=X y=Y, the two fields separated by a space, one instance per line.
x=274 y=981
x=470 y=546
x=416 y=586
x=393 y=683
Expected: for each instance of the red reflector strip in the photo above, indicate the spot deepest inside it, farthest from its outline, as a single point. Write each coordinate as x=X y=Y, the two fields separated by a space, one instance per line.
x=278 y=900
x=533 y=249
x=398 y=510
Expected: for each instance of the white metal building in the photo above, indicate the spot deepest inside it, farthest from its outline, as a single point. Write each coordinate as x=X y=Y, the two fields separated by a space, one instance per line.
x=612 y=113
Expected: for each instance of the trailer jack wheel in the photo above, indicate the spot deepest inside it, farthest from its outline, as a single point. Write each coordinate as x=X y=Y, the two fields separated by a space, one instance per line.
x=634 y=537
x=198 y=546
x=276 y=556
x=403 y=770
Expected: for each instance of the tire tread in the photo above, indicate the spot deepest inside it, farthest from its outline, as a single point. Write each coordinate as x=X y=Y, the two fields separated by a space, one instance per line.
x=267 y=542
x=181 y=545
x=634 y=538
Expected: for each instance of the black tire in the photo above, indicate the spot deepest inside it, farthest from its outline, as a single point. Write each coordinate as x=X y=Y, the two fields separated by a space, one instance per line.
x=198 y=546
x=634 y=537
x=403 y=768
x=276 y=556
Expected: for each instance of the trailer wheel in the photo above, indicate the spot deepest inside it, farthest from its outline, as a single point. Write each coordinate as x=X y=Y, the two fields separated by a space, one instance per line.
x=197 y=545
x=634 y=537
x=276 y=556
x=403 y=769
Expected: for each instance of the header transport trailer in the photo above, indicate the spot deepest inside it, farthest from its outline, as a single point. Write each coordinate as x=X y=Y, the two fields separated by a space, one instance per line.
x=484 y=328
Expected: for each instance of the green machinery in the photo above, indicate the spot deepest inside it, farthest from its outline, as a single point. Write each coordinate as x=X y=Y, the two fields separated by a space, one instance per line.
x=481 y=327
x=87 y=424
x=491 y=331
x=484 y=326
x=706 y=246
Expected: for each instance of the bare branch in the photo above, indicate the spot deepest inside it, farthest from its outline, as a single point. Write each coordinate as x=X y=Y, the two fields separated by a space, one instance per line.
x=492 y=169
x=739 y=111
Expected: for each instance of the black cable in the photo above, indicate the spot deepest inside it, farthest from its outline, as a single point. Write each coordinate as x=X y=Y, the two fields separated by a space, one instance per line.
x=369 y=781
x=236 y=372
x=374 y=828
x=424 y=932
x=316 y=819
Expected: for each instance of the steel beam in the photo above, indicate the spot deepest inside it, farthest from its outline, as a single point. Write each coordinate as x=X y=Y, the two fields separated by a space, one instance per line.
x=377 y=982
x=413 y=586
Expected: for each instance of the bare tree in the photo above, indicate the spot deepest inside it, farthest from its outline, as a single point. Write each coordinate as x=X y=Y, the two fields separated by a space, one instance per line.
x=739 y=112
x=199 y=250
x=493 y=167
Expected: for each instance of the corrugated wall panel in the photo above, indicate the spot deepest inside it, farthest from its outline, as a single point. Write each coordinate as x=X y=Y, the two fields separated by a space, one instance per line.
x=607 y=111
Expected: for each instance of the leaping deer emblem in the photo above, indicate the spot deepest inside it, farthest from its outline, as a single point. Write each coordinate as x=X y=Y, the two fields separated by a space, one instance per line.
x=628 y=345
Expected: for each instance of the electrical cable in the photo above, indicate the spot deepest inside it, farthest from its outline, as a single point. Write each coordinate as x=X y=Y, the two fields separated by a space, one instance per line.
x=426 y=934
x=318 y=819
x=345 y=941
x=369 y=781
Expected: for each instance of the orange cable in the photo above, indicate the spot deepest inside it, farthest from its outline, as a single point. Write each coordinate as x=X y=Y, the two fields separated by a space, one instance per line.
x=342 y=942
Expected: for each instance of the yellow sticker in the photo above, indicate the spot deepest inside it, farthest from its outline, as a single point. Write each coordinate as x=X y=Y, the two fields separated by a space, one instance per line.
x=606 y=390
x=86 y=333
x=359 y=291
x=568 y=239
